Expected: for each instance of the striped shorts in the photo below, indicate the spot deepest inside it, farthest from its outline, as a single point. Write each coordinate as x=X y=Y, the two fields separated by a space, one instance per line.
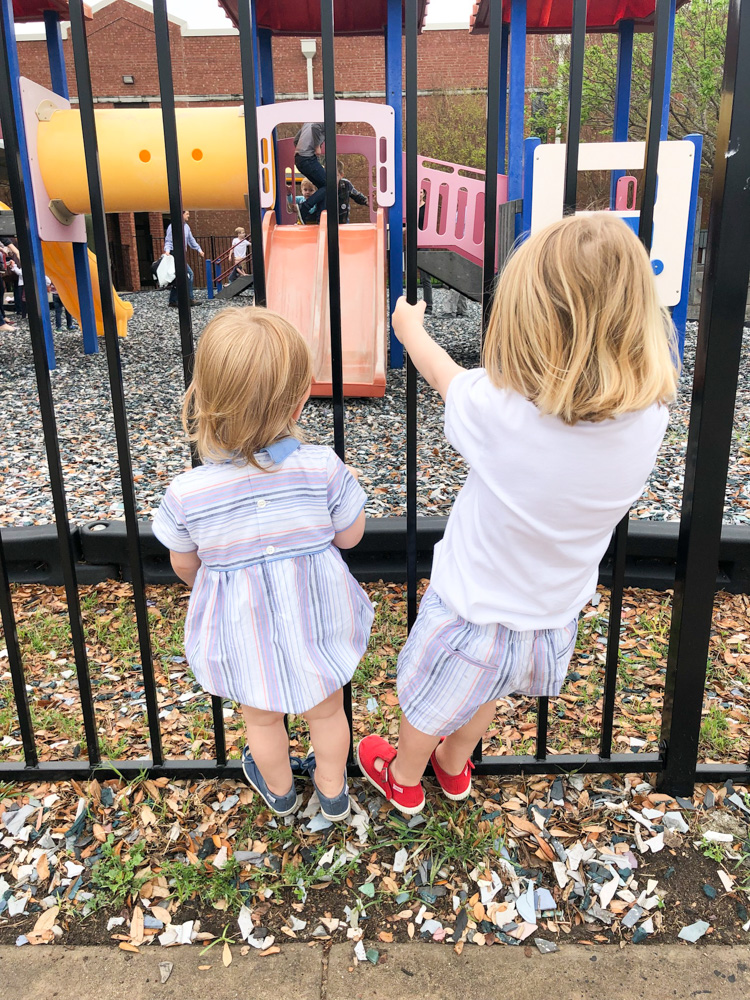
x=449 y=667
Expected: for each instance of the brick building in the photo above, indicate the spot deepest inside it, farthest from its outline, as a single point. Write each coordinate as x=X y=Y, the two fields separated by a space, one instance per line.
x=206 y=70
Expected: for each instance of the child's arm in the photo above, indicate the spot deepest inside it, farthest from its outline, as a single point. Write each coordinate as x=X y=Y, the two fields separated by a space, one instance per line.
x=185 y=565
x=352 y=535
x=435 y=364
x=355 y=195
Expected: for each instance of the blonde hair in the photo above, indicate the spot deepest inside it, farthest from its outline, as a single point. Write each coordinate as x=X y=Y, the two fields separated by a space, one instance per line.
x=576 y=325
x=252 y=370
x=238 y=230
x=306 y=183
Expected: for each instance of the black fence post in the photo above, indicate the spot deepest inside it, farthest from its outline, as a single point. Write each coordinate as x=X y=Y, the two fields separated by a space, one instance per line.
x=717 y=362
x=114 y=367
x=13 y=136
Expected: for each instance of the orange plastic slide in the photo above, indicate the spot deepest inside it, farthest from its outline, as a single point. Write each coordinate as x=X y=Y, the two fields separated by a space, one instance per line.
x=296 y=261
x=59 y=267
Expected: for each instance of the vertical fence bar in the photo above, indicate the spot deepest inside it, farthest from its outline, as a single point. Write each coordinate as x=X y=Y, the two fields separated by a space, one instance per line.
x=394 y=97
x=503 y=109
x=653 y=125
x=179 y=251
x=174 y=184
x=247 y=59
x=332 y=212
x=117 y=392
x=19 y=179
x=542 y=716
x=622 y=96
x=575 y=104
x=15 y=663
x=411 y=296
x=494 y=62
x=718 y=351
x=645 y=232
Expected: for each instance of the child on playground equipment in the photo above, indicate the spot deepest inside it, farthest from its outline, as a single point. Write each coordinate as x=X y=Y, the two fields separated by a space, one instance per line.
x=307 y=189
x=347 y=192
x=240 y=250
x=560 y=429
x=276 y=622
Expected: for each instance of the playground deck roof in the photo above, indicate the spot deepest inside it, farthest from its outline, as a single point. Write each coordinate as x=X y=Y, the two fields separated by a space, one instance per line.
x=33 y=10
x=302 y=17
x=555 y=16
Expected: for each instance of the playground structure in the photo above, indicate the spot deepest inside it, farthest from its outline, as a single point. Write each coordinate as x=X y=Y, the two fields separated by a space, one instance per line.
x=718 y=348
x=213 y=169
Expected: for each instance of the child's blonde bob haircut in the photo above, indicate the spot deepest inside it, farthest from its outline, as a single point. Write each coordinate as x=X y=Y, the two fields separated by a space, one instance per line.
x=252 y=370
x=576 y=325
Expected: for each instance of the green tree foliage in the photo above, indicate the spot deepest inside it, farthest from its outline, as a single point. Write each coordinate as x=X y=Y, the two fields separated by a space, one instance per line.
x=453 y=127
x=700 y=36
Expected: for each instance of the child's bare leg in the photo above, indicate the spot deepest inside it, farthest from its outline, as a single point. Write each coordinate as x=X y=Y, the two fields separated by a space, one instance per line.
x=457 y=748
x=414 y=749
x=329 y=735
x=269 y=745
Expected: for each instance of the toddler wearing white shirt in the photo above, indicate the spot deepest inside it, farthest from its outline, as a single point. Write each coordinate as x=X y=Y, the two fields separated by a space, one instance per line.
x=560 y=429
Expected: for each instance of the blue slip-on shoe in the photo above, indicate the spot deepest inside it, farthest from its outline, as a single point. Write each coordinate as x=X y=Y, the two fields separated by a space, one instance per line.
x=337 y=808
x=282 y=805
x=302 y=767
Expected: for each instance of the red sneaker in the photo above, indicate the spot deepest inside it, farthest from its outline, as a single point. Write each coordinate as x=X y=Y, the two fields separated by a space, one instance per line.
x=408 y=799
x=455 y=786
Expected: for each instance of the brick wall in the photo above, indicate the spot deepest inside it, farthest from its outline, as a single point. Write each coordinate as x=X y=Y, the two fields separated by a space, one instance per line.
x=121 y=42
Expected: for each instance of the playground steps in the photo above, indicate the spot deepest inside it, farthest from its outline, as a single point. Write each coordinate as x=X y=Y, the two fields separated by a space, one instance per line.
x=452 y=270
x=235 y=287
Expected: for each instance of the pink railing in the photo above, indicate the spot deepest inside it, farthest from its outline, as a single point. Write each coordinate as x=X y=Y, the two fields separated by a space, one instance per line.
x=454 y=207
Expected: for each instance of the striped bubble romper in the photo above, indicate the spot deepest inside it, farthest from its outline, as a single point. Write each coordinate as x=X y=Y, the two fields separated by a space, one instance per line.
x=449 y=667
x=276 y=621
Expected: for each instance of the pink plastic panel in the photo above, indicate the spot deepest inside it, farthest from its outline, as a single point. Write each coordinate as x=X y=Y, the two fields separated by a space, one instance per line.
x=379 y=116
x=50 y=229
x=625 y=194
x=363 y=145
x=454 y=213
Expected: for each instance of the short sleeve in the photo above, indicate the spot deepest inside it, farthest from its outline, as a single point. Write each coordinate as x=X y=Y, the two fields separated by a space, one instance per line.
x=346 y=498
x=169 y=524
x=464 y=427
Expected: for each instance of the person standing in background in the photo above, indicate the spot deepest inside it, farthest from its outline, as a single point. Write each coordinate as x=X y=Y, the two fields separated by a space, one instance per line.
x=190 y=241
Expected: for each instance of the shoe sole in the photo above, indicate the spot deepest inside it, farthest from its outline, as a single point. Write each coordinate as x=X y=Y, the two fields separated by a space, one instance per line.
x=455 y=798
x=336 y=819
x=406 y=810
x=274 y=810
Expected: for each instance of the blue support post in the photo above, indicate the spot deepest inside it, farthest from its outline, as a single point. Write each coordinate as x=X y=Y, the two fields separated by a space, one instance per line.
x=80 y=250
x=668 y=71
x=394 y=92
x=516 y=99
x=256 y=52
x=622 y=96
x=209 y=278
x=503 y=110
x=679 y=312
x=28 y=208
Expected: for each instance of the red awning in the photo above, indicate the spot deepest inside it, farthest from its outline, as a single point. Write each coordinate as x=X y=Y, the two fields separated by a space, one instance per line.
x=33 y=10
x=555 y=16
x=302 y=17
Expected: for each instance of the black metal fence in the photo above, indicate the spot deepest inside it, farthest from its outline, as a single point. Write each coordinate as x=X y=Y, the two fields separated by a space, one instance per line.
x=716 y=372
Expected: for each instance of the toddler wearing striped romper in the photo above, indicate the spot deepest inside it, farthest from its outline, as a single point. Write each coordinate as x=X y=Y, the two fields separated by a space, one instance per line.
x=275 y=622
x=560 y=429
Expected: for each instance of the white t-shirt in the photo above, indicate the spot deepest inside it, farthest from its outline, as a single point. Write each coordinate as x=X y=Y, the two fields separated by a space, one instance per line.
x=240 y=247
x=527 y=531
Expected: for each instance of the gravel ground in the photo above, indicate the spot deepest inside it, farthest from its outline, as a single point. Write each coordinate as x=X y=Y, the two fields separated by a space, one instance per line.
x=375 y=429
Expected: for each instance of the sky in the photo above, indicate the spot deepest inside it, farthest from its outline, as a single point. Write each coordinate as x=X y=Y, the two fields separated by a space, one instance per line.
x=208 y=14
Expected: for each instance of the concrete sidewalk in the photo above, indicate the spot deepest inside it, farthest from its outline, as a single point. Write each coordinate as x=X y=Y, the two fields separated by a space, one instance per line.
x=410 y=972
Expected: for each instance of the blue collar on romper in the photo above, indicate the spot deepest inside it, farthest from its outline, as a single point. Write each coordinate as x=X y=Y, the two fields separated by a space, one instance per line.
x=282 y=449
